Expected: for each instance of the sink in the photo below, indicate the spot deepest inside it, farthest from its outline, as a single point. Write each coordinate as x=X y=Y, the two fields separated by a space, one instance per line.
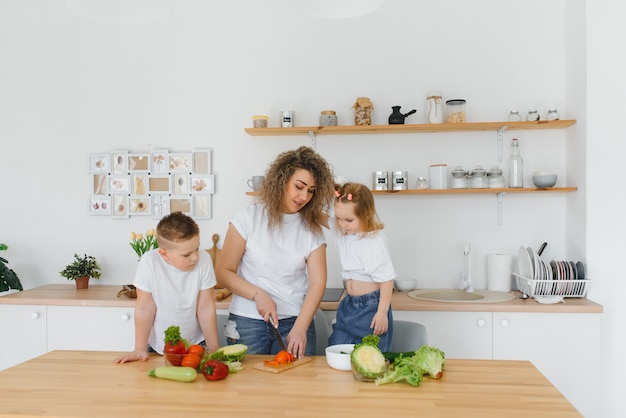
x=461 y=296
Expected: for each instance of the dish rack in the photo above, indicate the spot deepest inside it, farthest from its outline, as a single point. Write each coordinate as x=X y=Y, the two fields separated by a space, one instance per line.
x=565 y=288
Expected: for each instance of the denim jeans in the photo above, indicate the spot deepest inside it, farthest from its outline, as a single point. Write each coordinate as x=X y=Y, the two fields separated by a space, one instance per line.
x=354 y=316
x=257 y=335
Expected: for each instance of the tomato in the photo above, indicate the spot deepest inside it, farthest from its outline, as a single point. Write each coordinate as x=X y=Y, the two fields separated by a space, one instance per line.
x=284 y=357
x=191 y=360
x=178 y=348
x=196 y=349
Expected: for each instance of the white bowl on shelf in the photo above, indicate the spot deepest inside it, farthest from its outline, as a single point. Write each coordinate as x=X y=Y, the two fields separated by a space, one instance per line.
x=405 y=285
x=544 y=180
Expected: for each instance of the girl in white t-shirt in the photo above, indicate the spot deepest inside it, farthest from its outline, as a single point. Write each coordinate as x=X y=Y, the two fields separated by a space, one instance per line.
x=366 y=268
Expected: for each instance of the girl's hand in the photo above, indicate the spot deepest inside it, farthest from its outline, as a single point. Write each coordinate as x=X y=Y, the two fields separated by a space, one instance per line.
x=138 y=354
x=380 y=324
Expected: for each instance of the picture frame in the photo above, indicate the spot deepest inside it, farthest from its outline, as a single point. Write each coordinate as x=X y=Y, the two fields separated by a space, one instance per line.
x=119 y=184
x=100 y=205
x=159 y=184
x=119 y=203
x=180 y=162
x=160 y=205
x=99 y=184
x=181 y=204
x=139 y=205
x=202 y=206
x=99 y=163
x=180 y=184
x=139 y=162
x=160 y=162
x=140 y=184
x=120 y=162
x=202 y=161
x=201 y=183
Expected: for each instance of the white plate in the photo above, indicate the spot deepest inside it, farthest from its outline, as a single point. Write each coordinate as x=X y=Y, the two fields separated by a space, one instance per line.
x=525 y=264
x=533 y=258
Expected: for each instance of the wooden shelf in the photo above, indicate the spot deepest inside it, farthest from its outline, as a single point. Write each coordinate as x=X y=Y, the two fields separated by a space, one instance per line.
x=382 y=129
x=465 y=191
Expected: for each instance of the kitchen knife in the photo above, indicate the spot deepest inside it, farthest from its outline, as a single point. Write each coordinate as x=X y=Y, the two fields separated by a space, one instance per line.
x=277 y=335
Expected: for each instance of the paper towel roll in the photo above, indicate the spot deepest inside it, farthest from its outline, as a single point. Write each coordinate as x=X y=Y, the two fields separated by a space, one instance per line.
x=499 y=269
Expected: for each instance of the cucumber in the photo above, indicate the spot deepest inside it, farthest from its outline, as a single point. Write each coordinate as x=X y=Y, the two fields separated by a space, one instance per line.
x=180 y=374
x=391 y=356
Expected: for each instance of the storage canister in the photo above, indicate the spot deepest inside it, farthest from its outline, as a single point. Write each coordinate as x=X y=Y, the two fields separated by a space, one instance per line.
x=495 y=178
x=459 y=179
x=381 y=180
x=259 y=121
x=400 y=180
x=286 y=118
x=363 y=111
x=328 y=118
x=455 y=111
x=434 y=107
x=439 y=176
x=478 y=179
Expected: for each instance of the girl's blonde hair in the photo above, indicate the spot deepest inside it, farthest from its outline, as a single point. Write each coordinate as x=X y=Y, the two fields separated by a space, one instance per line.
x=272 y=192
x=364 y=207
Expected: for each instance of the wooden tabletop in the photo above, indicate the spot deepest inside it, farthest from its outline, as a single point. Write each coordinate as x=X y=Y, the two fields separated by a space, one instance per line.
x=89 y=384
x=106 y=295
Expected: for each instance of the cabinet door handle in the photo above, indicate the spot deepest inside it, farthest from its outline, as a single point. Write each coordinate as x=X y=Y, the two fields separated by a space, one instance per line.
x=125 y=317
x=481 y=322
x=35 y=315
x=505 y=323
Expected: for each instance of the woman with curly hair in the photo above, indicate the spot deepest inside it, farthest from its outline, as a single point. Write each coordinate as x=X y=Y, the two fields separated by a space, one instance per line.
x=274 y=256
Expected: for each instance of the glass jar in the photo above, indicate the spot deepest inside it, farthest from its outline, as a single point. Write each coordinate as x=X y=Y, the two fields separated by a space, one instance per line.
x=435 y=107
x=532 y=116
x=455 y=111
x=328 y=118
x=478 y=179
x=514 y=116
x=421 y=183
x=495 y=178
x=459 y=180
x=552 y=114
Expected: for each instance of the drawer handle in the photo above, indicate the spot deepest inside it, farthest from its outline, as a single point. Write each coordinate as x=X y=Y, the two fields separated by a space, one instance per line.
x=505 y=323
x=125 y=317
x=35 y=315
x=481 y=322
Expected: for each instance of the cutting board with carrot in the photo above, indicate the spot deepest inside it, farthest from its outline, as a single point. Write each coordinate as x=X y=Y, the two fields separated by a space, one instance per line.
x=283 y=367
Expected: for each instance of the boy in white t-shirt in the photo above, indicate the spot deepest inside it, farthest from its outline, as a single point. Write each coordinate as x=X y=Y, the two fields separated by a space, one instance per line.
x=174 y=287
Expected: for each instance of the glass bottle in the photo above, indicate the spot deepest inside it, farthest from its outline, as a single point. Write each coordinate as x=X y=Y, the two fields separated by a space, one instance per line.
x=516 y=176
x=435 y=107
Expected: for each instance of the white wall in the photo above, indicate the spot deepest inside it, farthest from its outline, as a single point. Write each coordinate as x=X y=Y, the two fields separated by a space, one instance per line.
x=70 y=87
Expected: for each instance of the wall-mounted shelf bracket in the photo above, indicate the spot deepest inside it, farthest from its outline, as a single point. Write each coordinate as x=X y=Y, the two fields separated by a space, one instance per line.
x=499 y=143
x=500 y=198
x=313 y=140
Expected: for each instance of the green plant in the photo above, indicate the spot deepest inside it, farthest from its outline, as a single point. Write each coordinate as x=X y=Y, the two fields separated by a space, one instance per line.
x=80 y=267
x=8 y=278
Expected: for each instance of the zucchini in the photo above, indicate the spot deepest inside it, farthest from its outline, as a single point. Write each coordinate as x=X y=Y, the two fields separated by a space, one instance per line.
x=180 y=374
x=392 y=356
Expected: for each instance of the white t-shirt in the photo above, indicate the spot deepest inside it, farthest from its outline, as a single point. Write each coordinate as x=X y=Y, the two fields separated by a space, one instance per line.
x=175 y=293
x=274 y=260
x=365 y=258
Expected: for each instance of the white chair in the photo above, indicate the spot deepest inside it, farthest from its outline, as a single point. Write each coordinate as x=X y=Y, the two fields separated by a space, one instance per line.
x=408 y=336
x=322 y=332
x=221 y=325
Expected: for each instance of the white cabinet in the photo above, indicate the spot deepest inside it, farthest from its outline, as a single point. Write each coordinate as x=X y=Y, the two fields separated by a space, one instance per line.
x=458 y=334
x=23 y=333
x=91 y=328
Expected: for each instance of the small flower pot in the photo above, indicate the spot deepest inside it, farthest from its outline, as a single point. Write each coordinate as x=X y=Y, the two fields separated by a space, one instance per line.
x=82 y=282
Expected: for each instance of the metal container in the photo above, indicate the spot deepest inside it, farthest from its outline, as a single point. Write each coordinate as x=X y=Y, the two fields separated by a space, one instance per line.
x=286 y=118
x=400 y=180
x=381 y=180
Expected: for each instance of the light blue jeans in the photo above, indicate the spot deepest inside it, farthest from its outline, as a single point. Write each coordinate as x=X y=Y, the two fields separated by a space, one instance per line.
x=257 y=335
x=354 y=316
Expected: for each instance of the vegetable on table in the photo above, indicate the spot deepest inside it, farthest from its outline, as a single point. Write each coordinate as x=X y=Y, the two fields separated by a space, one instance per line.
x=191 y=360
x=180 y=374
x=412 y=366
x=228 y=353
x=282 y=357
x=432 y=360
x=174 y=344
x=367 y=359
x=215 y=370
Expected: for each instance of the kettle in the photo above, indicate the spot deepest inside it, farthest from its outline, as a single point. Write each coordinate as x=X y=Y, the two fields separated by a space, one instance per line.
x=397 y=117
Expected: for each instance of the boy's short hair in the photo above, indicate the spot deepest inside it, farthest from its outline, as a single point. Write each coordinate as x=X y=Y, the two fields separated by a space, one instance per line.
x=176 y=227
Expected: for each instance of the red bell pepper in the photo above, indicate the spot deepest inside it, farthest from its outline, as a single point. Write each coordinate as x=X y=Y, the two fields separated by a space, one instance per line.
x=215 y=370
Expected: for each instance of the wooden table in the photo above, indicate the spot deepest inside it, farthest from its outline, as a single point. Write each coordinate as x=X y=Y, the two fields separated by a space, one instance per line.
x=89 y=384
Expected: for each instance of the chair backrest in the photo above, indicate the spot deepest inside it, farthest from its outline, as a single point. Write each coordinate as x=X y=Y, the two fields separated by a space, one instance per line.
x=408 y=336
x=322 y=332
x=221 y=324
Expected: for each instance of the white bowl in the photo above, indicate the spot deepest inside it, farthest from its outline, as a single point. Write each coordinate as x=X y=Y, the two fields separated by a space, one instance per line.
x=405 y=285
x=338 y=356
x=544 y=180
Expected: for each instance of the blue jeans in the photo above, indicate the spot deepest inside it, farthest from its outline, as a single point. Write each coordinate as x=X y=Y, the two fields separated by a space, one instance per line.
x=354 y=316
x=257 y=335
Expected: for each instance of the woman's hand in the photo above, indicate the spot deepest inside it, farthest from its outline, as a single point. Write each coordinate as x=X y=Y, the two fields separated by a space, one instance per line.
x=265 y=305
x=296 y=342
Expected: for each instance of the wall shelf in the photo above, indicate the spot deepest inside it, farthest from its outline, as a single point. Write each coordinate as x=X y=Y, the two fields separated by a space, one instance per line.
x=464 y=191
x=383 y=129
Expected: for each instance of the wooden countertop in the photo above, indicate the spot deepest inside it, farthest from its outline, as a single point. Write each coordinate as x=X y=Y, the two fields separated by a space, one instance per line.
x=89 y=384
x=106 y=295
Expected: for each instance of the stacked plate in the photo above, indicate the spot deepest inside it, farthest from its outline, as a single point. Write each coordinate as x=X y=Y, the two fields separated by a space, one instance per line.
x=553 y=278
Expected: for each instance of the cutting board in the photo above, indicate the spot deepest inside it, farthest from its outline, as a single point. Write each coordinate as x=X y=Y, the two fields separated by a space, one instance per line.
x=283 y=367
x=214 y=252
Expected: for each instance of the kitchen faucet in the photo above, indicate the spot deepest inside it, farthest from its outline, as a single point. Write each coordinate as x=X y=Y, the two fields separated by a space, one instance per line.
x=465 y=276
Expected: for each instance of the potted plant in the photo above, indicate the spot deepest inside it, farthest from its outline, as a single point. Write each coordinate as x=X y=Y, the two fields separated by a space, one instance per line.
x=8 y=278
x=81 y=269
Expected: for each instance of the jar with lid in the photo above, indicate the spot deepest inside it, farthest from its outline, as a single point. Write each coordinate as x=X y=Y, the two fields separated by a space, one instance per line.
x=552 y=114
x=495 y=178
x=421 y=183
x=328 y=118
x=459 y=180
x=532 y=116
x=455 y=111
x=514 y=116
x=478 y=179
x=435 y=107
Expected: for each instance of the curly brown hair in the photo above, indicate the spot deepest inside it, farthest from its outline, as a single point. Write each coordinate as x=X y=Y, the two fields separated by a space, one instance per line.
x=272 y=192
x=364 y=207
x=176 y=227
